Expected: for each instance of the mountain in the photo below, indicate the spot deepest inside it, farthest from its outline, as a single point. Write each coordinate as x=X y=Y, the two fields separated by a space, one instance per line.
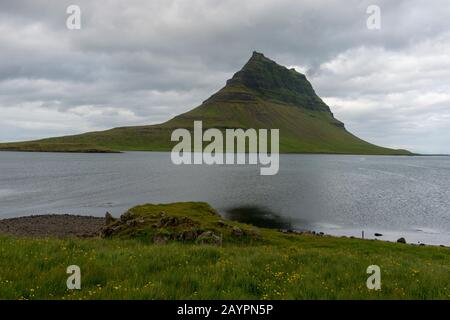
x=262 y=95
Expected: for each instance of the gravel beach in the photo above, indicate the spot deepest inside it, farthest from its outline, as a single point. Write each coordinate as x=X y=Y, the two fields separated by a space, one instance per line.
x=52 y=225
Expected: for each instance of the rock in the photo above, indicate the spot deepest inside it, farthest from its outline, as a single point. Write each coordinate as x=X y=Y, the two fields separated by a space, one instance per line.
x=378 y=235
x=401 y=240
x=221 y=223
x=109 y=219
x=135 y=222
x=237 y=232
x=187 y=235
x=169 y=221
x=160 y=239
x=209 y=237
x=131 y=223
x=126 y=216
x=109 y=230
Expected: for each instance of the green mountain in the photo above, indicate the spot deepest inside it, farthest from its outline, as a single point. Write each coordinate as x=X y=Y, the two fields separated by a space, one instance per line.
x=262 y=95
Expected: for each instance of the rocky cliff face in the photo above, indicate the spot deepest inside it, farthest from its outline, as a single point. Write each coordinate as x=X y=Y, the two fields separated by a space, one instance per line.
x=264 y=78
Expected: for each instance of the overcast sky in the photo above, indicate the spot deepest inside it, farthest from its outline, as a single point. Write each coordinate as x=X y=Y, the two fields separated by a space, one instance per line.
x=143 y=62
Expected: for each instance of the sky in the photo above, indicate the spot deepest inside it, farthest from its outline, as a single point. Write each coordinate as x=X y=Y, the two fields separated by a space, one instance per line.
x=143 y=62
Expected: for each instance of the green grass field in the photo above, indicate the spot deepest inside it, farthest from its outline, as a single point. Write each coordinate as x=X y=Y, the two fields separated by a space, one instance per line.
x=260 y=264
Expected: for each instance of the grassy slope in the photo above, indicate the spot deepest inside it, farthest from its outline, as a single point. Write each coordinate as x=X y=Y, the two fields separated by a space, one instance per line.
x=262 y=95
x=38 y=146
x=301 y=130
x=273 y=266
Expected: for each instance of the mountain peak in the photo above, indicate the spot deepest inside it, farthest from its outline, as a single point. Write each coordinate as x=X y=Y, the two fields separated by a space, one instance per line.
x=272 y=81
x=260 y=60
x=257 y=56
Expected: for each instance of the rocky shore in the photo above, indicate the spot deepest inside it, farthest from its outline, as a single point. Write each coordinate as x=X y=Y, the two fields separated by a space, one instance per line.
x=52 y=225
x=178 y=227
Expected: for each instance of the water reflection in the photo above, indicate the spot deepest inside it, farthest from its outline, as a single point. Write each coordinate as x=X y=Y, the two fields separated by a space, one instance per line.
x=258 y=216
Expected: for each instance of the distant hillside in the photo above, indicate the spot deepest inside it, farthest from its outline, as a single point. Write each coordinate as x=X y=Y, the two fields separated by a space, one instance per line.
x=262 y=95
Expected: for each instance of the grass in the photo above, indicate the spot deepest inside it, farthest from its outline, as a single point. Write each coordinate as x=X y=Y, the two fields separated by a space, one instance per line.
x=301 y=131
x=273 y=265
x=55 y=147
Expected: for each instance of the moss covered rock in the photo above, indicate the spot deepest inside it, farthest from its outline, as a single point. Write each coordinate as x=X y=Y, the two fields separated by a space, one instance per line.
x=182 y=221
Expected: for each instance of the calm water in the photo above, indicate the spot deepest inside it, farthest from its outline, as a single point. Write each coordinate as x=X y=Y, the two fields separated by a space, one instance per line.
x=341 y=195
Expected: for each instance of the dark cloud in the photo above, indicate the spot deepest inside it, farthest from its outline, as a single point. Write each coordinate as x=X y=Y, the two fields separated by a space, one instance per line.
x=140 y=62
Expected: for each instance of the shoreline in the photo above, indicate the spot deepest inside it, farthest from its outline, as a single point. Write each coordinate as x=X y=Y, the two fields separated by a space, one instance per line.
x=52 y=225
x=169 y=150
x=79 y=226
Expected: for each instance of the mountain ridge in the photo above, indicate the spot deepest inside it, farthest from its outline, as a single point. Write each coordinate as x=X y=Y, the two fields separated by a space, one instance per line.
x=262 y=95
x=281 y=85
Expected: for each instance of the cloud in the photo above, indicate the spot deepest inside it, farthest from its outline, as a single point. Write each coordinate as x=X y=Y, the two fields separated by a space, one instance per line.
x=143 y=62
x=398 y=98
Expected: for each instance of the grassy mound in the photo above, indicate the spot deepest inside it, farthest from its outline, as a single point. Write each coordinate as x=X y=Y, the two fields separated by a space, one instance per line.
x=194 y=222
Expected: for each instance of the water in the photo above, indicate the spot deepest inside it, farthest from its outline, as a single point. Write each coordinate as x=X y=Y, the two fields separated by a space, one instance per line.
x=335 y=194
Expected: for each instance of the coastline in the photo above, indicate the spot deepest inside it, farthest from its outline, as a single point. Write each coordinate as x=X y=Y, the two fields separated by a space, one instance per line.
x=80 y=226
x=169 y=150
x=52 y=225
